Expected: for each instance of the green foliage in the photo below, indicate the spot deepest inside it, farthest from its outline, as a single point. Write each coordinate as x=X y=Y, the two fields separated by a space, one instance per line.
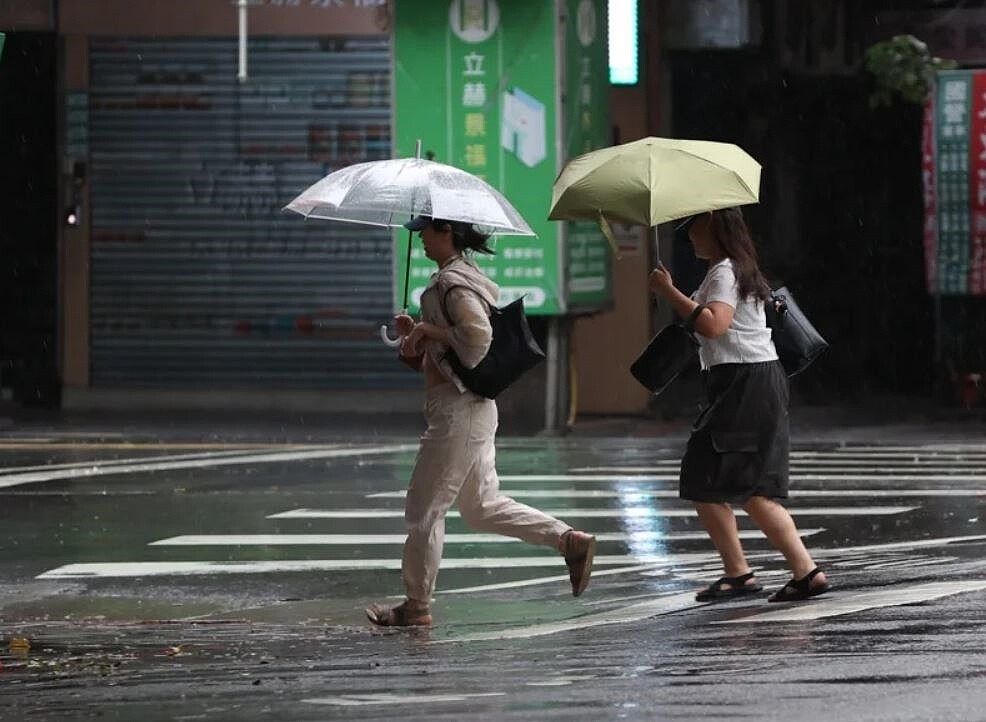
x=902 y=66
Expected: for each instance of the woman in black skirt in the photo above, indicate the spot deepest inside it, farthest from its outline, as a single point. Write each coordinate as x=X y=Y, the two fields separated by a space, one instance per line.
x=738 y=450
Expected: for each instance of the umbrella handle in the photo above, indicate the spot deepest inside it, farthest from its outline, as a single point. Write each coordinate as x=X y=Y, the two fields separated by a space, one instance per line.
x=385 y=337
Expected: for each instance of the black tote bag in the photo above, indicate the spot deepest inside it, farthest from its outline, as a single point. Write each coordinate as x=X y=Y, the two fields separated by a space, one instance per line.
x=797 y=341
x=513 y=351
x=669 y=353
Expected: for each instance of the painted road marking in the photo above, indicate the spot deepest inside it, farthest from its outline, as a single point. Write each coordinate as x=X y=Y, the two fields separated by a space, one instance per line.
x=105 y=570
x=668 y=604
x=823 y=607
x=814 y=458
x=833 y=606
x=191 y=540
x=638 y=478
x=81 y=492
x=631 y=613
x=362 y=700
x=651 y=570
x=637 y=512
x=847 y=466
x=20 y=445
x=563 y=681
x=672 y=494
x=144 y=569
x=540 y=580
x=586 y=477
x=910 y=563
x=138 y=569
x=90 y=463
x=268 y=458
x=904 y=545
x=901 y=448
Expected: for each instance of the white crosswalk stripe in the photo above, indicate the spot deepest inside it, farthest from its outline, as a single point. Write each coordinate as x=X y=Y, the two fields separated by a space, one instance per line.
x=795 y=477
x=628 y=512
x=153 y=569
x=672 y=494
x=196 y=461
x=473 y=538
x=836 y=605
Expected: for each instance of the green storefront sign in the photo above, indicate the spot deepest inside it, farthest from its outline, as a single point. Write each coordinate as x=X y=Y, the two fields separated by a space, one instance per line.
x=480 y=82
x=954 y=103
x=586 y=129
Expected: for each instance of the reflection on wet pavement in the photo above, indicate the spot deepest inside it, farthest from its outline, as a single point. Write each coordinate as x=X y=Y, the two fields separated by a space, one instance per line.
x=113 y=553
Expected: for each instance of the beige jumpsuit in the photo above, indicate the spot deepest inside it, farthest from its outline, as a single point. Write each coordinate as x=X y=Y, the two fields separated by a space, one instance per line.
x=456 y=459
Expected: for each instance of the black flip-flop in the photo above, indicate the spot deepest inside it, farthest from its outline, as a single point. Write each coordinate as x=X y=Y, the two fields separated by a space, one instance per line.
x=734 y=587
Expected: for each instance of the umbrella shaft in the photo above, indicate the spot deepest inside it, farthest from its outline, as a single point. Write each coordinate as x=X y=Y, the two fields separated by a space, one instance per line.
x=407 y=267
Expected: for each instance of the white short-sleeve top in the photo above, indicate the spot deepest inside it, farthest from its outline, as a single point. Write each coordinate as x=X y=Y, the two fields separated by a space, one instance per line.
x=748 y=339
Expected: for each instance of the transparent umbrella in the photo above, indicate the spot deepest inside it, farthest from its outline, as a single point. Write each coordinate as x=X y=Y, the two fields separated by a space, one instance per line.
x=387 y=193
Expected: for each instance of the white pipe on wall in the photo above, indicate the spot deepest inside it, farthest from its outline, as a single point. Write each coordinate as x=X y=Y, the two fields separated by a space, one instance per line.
x=241 y=75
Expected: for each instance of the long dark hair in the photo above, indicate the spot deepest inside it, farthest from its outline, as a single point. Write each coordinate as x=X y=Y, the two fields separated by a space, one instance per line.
x=730 y=231
x=465 y=237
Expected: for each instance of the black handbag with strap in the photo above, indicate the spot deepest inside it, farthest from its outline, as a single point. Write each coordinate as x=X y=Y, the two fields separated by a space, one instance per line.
x=797 y=341
x=668 y=354
x=513 y=350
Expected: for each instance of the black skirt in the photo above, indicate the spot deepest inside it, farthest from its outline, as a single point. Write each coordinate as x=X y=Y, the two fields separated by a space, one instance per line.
x=740 y=442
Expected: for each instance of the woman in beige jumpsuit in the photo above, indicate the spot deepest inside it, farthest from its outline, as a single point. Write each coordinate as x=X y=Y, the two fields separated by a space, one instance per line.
x=456 y=459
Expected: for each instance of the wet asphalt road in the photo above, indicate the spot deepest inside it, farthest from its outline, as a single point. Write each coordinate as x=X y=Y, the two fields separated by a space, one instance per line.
x=226 y=580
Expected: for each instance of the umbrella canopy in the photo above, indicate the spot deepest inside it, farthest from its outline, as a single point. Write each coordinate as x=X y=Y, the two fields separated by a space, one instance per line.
x=389 y=192
x=654 y=180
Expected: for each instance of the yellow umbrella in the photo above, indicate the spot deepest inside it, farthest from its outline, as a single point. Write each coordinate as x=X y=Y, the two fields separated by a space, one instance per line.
x=654 y=180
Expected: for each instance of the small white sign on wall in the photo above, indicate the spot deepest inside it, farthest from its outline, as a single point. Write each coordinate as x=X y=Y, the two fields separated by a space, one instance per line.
x=630 y=239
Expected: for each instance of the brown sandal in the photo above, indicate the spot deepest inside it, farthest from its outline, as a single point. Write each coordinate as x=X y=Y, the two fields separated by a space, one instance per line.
x=400 y=615
x=579 y=550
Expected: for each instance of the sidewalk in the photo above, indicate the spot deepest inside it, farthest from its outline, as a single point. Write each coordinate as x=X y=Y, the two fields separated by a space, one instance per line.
x=897 y=421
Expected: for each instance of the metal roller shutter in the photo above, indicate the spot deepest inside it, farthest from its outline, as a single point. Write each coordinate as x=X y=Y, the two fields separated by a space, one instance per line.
x=198 y=279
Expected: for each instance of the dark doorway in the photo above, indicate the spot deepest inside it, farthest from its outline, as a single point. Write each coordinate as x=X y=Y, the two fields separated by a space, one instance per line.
x=841 y=215
x=28 y=220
